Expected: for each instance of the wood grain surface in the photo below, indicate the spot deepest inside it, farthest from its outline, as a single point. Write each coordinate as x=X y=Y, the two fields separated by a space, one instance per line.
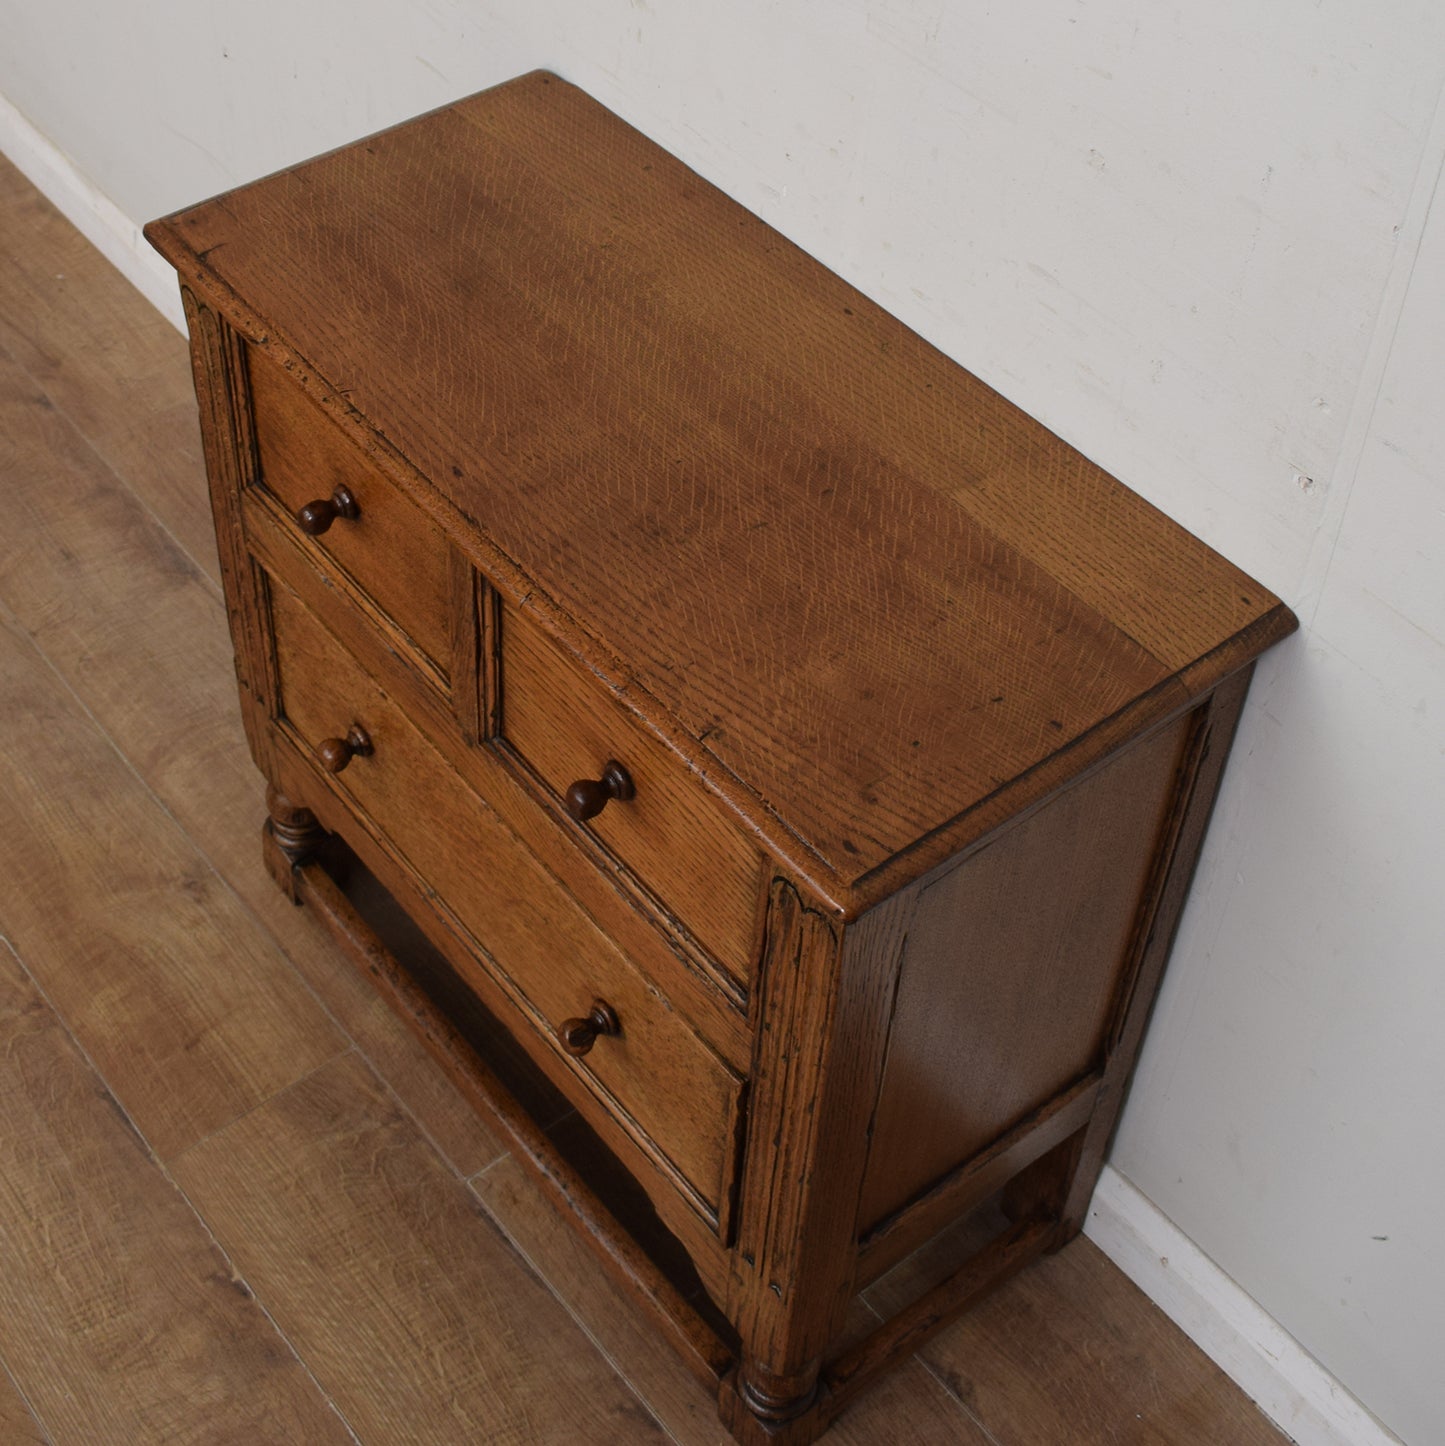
x=98 y=582
x=192 y=1014
x=100 y=351
x=794 y=569
x=671 y=833
x=17 y=1422
x=993 y=1025
x=117 y=1309
x=1071 y=1351
x=356 y=1236
x=684 y=1407
x=712 y=999
x=131 y=634
x=797 y=600
x=909 y=1407
x=542 y=947
x=391 y=548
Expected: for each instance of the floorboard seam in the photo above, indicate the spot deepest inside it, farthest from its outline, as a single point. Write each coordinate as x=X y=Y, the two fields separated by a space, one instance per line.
x=419 y=1125
x=275 y=1094
x=161 y=1166
x=262 y=926
x=943 y=1385
x=535 y=1270
x=264 y=929
x=957 y=1399
x=62 y=413
x=15 y=1385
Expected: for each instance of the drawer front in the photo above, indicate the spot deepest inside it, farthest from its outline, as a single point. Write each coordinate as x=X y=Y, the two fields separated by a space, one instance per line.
x=671 y=832
x=389 y=548
x=656 y=1077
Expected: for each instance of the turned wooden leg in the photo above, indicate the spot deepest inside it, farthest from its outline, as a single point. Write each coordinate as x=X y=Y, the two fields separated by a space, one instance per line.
x=289 y=837
x=777 y=1398
x=762 y=1408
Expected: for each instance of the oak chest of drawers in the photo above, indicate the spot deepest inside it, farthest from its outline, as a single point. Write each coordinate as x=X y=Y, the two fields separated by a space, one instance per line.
x=799 y=752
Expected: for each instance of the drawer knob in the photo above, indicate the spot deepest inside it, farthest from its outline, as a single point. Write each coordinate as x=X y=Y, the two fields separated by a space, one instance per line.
x=589 y=796
x=336 y=753
x=577 y=1035
x=316 y=517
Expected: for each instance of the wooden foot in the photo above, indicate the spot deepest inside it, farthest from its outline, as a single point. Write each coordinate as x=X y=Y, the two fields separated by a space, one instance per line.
x=756 y=1417
x=289 y=838
x=775 y=1398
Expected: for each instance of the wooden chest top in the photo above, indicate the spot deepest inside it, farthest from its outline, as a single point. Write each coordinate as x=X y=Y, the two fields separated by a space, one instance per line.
x=875 y=604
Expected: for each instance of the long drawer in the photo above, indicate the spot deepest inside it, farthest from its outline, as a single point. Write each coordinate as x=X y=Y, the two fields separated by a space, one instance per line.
x=568 y=982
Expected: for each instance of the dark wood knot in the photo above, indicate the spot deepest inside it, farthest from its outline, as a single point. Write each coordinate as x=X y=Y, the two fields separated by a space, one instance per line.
x=316 y=517
x=336 y=753
x=589 y=796
x=577 y=1035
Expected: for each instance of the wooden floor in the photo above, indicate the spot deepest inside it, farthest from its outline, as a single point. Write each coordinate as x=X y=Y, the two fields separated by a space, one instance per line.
x=237 y=1203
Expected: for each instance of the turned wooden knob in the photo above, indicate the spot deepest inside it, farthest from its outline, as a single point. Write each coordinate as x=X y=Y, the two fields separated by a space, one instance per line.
x=316 y=517
x=589 y=796
x=336 y=753
x=577 y=1035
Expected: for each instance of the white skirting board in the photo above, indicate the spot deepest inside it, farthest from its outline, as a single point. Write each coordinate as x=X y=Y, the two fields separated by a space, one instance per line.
x=1231 y=1328
x=91 y=212
x=1293 y=1389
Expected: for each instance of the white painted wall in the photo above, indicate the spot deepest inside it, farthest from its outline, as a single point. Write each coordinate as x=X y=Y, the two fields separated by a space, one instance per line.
x=1196 y=240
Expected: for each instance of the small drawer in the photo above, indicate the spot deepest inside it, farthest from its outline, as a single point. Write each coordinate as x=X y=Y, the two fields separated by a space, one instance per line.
x=655 y=815
x=654 y=1076
x=338 y=502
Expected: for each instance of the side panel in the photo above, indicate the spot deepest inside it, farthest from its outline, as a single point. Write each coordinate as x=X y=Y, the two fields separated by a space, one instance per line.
x=1012 y=970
